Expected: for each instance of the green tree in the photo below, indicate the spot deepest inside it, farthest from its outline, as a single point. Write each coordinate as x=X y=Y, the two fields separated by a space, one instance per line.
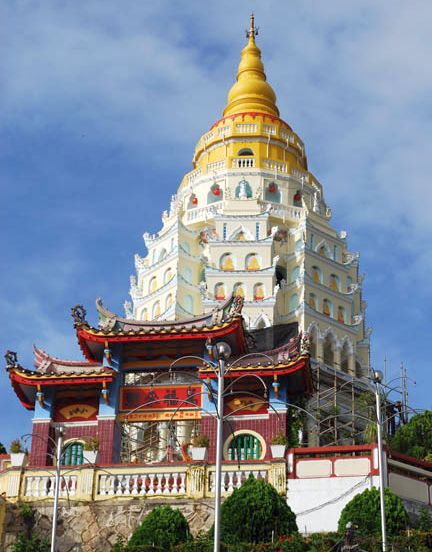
x=415 y=437
x=2 y=449
x=164 y=527
x=253 y=512
x=364 y=511
x=425 y=522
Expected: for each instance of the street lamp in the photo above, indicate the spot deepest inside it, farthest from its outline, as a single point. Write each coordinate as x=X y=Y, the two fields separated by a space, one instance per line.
x=378 y=377
x=57 y=487
x=221 y=352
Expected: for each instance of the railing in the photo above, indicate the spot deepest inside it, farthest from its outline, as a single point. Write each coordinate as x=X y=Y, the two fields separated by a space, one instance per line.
x=286 y=213
x=243 y=163
x=89 y=483
x=150 y=484
x=233 y=479
x=246 y=127
x=204 y=213
x=275 y=165
x=39 y=486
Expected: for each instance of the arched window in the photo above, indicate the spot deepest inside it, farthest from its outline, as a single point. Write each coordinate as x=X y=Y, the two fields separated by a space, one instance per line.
x=187 y=274
x=162 y=254
x=168 y=275
x=189 y=303
x=258 y=292
x=316 y=275
x=358 y=369
x=293 y=302
x=272 y=192
x=220 y=293
x=341 y=316
x=156 y=310
x=73 y=454
x=192 y=202
x=144 y=314
x=349 y=281
x=227 y=262
x=328 y=308
x=153 y=284
x=243 y=190
x=252 y=262
x=313 y=301
x=295 y=272
x=215 y=194
x=244 y=447
x=245 y=151
x=297 y=199
x=323 y=251
x=168 y=301
x=334 y=282
x=239 y=289
x=154 y=253
x=328 y=350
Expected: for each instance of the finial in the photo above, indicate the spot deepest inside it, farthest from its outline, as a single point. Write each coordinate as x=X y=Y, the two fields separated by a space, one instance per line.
x=252 y=32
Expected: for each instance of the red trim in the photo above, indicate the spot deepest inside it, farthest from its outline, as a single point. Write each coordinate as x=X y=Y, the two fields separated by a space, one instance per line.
x=58 y=381
x=328 y=450
x=257 y=371
x=410 y=460
x=21 y=395
x=84 y=335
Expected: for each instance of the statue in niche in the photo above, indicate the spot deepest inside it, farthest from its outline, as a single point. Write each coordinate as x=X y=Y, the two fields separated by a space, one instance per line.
x=243 y=190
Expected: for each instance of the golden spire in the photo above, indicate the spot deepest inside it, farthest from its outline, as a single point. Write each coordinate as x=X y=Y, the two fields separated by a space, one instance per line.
x=251 y=92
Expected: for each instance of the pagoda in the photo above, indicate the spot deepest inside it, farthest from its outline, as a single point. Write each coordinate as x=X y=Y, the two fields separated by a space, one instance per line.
x=246 y=254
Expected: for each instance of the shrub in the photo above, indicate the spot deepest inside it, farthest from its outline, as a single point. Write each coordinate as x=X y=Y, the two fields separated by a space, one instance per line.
x=253 y=512
x=16 y=446
x=425 y=523
x=200 y=440
x=415 y=437
x=364 y=511
x=279 y=439
x=163 y=527
x=30 y=544
x=91 y=444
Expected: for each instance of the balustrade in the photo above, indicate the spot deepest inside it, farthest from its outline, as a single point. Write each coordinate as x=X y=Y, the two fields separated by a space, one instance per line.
x=44 y=486
x=234 y=479
x=150 y=484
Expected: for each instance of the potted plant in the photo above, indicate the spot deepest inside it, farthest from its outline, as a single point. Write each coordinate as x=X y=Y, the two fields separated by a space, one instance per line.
x=17 y=453
x=91 y=448
x=278 y=445
x=199 y=448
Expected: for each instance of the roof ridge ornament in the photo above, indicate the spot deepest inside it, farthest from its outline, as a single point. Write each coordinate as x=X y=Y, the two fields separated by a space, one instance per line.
x=11 y=359
x=78 y=313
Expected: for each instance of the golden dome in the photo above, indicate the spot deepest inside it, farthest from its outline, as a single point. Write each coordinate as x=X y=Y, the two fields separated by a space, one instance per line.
x=251 y=92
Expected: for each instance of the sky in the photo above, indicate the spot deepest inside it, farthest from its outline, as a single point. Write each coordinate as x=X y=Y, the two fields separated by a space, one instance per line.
x=102 y=104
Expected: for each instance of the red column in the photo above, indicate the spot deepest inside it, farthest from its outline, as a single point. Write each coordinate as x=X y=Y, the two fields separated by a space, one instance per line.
x=41 y=446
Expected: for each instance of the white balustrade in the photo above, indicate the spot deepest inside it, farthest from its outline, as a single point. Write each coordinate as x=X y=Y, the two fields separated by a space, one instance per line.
x=234 y=479
x=204 y=213
x=44 y=485
x=160 y=483
x=243 y=163
x=246 y=128
x=275 y=165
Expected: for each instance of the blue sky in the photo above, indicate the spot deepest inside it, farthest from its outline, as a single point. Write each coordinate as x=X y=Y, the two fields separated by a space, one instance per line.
x=102 y=104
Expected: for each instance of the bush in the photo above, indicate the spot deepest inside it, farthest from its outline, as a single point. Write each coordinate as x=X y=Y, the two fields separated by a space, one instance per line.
x=364 y=511
x=30 y=544
x=164 y=527
x=415 y=437
x=253 y=512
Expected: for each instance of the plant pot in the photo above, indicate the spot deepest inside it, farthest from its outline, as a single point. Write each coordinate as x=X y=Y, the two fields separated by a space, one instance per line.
x=17 y=459
x=278 y=451
x=90 y=456
x=199 y=453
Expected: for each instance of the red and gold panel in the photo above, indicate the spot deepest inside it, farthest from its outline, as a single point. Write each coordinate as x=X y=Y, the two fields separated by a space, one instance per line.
x=76 y=411
x=164 y=402
x=241 y=405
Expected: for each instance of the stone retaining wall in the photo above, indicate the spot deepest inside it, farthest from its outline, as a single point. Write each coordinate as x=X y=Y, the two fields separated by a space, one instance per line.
x=94 y=527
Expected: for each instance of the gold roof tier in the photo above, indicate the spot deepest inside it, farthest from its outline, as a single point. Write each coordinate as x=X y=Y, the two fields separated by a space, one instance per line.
x=251 y=92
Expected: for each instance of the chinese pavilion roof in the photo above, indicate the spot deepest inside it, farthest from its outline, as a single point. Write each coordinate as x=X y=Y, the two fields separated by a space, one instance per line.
x=51 y=371
x=225 y=321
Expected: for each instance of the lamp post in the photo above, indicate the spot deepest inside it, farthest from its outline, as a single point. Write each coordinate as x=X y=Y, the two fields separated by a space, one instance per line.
x=222 y=352
x=57 y=488
x=378 y=376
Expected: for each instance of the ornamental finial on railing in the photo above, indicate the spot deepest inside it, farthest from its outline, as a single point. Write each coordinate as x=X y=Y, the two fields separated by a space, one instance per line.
x=11 y=359
x=79 y=315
